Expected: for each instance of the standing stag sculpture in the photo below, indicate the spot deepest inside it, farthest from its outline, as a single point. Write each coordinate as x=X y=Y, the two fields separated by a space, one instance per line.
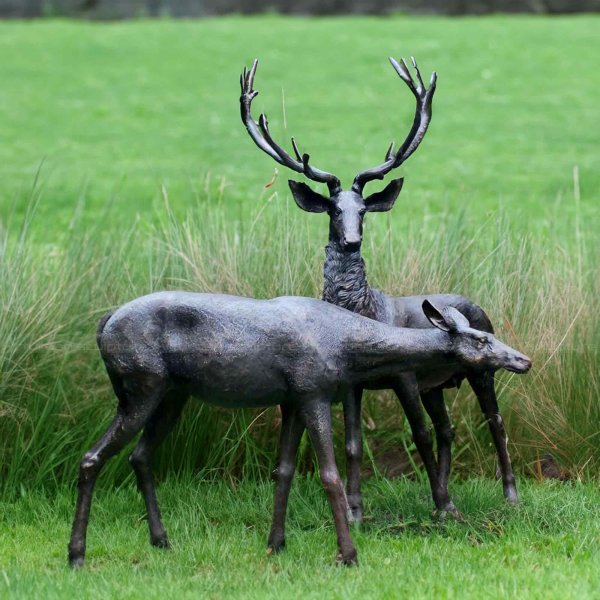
x=346 y=285
x=300 y=353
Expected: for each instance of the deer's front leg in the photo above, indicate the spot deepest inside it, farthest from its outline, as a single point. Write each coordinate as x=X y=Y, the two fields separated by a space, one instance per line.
x=352 y=424
x=316 y=415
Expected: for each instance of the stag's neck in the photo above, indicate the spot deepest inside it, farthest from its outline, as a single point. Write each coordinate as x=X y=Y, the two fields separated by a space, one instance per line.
x=345 y=282
x=379 y=351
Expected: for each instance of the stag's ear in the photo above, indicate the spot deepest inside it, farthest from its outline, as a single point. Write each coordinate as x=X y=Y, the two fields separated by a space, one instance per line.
x=384 y=200
x=308 y=199
x=448 y=319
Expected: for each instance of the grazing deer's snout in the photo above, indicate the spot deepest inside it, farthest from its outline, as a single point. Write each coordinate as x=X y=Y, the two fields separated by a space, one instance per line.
x=520 y=364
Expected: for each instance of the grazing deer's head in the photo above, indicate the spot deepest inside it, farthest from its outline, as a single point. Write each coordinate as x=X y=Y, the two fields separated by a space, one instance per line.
x=346 y=209
x=477 y=349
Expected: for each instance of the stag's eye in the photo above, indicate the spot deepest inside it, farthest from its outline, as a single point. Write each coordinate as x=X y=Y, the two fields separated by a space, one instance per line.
x=362 y=212
x=337 y=211
x=481 y=342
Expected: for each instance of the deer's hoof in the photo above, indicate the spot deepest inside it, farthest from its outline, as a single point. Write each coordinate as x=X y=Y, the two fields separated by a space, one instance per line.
x=348 y=559
x=161 y=542
x=275 y=546
x=76 y=562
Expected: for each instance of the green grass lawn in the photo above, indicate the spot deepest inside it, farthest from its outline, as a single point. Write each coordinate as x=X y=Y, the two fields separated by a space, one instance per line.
x=149 y=181
x=546 y=548
x=116 y=110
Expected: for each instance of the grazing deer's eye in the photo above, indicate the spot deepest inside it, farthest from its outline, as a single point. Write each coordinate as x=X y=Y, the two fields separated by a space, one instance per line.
x=362 y=212
x=481 y=342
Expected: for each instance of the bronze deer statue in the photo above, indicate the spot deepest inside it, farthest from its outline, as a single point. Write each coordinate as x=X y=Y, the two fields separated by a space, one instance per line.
x=299 y=353
x=346 y=285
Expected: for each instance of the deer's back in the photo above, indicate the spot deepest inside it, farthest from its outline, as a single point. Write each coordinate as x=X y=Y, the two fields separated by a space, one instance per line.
x=229 y=350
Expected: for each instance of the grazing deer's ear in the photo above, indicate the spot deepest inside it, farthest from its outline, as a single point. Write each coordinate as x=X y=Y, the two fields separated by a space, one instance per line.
x=384 y=200
x=460 y=321
x=448 y=319
x=307 y=199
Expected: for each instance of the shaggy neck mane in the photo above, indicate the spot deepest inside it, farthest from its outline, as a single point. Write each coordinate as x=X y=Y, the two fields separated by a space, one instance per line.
x=345 y=281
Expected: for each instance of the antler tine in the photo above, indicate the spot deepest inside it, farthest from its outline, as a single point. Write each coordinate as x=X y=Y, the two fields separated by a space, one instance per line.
x=260 y=134
x=418 y=130
x=296 y=150
x=390 y=152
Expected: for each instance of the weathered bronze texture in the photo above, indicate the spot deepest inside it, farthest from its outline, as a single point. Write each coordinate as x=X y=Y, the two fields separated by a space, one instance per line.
x=345 y=284
x=300 y=353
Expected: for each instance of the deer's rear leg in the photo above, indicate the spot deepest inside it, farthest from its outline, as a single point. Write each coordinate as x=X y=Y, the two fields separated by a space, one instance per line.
x=352 y=424
x=433 y=401
x=129 y=420
x=292 y=428
x=156 y=430
x=483 y=386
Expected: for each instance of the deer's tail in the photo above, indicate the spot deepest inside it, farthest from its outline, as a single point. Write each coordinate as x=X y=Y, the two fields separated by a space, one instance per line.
x=101 y=325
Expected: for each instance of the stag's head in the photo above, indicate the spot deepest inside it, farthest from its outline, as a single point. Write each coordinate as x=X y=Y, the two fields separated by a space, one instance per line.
x=346 y=208
x=474 y=348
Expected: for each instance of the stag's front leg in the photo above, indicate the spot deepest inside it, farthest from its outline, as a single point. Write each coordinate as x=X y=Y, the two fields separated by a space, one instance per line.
x=291 y=433
x=352 y=424
x=407 y=390
x=483 y=386
x=444 y=433
x=316 y=415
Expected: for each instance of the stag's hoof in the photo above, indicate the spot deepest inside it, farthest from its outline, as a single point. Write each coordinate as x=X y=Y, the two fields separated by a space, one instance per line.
x=448 y=511
x=355 y=515
x=161 y=542
x=348 y=559
x=510 y=493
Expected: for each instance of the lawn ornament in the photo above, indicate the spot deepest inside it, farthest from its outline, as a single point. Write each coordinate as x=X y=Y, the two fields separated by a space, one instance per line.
x=300 y=353
x=346 y=285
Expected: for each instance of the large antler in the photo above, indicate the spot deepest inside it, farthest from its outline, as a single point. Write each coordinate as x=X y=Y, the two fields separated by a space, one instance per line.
x=424 y=97
x=259 y=132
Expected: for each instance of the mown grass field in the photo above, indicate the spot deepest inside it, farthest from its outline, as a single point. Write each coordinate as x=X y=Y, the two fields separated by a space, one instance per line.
x=546 y=548
x=124 y=169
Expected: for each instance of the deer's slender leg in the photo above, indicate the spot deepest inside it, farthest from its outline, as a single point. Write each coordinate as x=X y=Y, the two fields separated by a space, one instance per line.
x=352 y=424
x=407 y=390
x=433 y=401
x=292 y=428
x=483 y=386
x=156 y=430
x=129 y=420
x=317 y=419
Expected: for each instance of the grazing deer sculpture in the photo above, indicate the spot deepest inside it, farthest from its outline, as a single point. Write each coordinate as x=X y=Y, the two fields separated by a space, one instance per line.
x=300 y=353
x=346 y=285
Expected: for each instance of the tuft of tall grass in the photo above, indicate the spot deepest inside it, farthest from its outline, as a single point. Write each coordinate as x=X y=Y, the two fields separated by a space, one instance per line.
x=55 y=398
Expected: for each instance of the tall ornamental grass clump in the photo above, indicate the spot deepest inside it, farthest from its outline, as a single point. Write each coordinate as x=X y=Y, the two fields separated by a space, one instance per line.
x=55 y=398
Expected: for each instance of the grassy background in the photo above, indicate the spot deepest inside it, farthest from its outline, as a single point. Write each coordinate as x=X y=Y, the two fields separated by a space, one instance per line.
x=150 y=181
